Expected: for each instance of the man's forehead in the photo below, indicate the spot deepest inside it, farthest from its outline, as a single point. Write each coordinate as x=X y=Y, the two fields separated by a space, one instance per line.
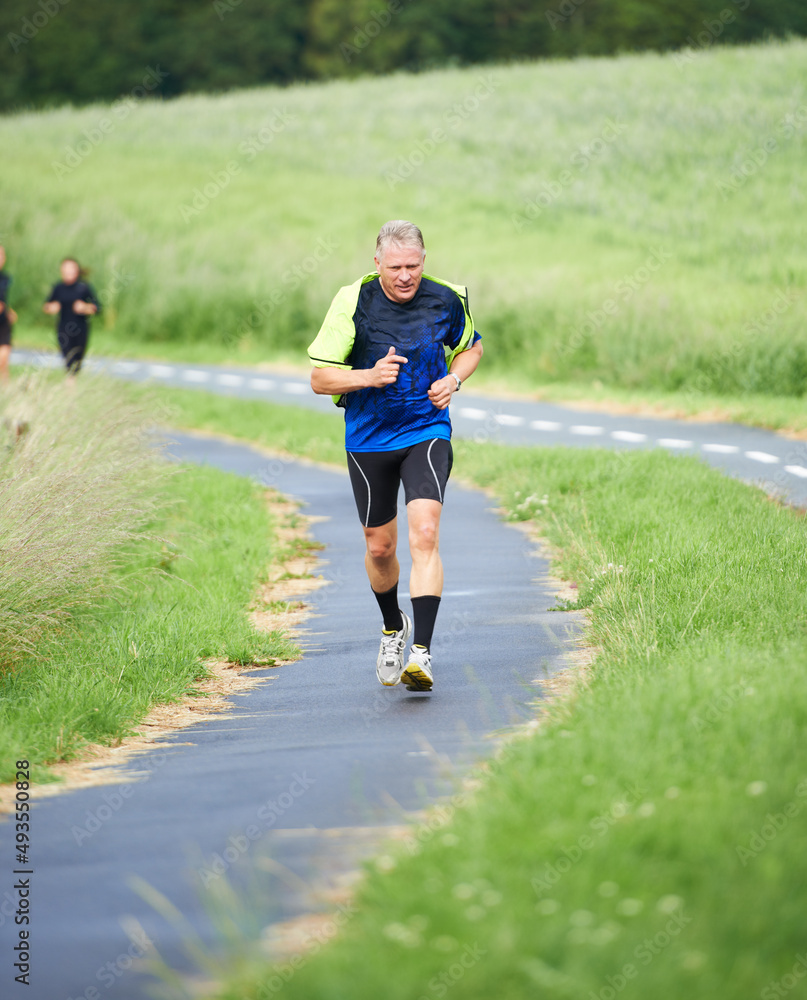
x=395 y=255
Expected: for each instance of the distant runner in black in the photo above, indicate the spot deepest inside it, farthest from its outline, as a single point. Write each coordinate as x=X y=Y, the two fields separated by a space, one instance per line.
x=7 y=319
x=74 y=300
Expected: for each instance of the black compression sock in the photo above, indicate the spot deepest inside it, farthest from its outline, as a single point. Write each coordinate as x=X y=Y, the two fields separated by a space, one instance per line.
x=388 y=603
x=424 y=612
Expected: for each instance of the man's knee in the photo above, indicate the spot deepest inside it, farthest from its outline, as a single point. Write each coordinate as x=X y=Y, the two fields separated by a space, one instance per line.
x=380 y=545
x=423 y=537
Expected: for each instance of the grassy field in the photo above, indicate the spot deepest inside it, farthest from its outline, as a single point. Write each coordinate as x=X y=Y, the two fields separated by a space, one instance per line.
x=633 y=222
x=174 y=589
x=649 y=839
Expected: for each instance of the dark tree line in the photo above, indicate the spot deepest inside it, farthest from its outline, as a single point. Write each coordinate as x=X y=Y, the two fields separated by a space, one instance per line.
x=78 y=51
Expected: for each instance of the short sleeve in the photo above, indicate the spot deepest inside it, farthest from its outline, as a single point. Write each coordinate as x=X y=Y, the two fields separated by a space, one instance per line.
x=333 y=345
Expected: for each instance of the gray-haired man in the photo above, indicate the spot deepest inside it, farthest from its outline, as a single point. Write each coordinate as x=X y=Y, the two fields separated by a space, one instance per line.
x=394 y=347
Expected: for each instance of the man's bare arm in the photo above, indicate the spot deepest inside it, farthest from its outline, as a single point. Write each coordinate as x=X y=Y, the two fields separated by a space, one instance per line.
x=463 y=366
x=335 y=381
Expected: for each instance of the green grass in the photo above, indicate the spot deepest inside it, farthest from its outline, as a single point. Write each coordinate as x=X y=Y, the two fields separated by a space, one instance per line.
x=181 y=594
x=707 y=280
x=649 y=839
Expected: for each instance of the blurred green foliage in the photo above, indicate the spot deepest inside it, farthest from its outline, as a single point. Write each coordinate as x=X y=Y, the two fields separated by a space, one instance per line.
x=62 y=51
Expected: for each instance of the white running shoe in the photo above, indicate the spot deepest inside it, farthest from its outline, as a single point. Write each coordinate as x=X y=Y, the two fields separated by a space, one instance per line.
x=390 y=663
x=418 y=673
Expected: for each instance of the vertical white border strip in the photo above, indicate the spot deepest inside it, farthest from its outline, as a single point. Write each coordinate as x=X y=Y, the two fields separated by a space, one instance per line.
x=369 y=492
x=429 y=460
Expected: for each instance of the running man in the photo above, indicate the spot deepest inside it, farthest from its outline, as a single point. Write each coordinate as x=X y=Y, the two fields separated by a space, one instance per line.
x=7 y=319
x=74 y=300
x=394 y=348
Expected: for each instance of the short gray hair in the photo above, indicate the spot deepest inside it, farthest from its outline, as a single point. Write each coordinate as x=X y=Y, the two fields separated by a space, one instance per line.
x=399 y=233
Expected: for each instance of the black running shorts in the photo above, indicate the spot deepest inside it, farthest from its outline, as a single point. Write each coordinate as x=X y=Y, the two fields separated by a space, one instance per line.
x=376 y=475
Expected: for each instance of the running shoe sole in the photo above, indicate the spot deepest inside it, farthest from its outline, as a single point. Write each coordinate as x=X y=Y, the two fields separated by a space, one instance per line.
x=416 y=679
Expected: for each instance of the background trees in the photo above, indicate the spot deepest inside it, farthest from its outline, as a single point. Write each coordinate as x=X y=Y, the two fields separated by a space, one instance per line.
x=63 y=51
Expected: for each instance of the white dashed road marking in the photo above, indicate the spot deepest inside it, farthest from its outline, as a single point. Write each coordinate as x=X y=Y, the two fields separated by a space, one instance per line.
x=721 y=449
x=225 y=378
x=199 y=376
x=674 y=443
x=628 y=436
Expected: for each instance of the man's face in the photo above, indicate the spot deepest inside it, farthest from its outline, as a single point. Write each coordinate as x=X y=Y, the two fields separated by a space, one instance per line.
x=401 y=269
x=2 y=258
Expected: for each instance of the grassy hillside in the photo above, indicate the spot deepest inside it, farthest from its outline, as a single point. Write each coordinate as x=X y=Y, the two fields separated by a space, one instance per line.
x=597 y=209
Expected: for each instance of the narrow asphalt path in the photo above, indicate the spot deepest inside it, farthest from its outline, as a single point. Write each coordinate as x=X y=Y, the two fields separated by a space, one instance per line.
x=302 y=766
x=774 y=463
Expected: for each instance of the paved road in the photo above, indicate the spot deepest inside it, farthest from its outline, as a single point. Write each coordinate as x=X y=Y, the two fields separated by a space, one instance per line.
x=320 y=747
x=776 y=464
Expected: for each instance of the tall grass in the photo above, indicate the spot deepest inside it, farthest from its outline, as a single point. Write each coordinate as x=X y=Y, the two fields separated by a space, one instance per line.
x=608 y=215
x=78 y=478
x=97 y=644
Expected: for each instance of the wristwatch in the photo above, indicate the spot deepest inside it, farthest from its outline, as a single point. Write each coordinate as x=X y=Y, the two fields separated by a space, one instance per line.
x=457 y=379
